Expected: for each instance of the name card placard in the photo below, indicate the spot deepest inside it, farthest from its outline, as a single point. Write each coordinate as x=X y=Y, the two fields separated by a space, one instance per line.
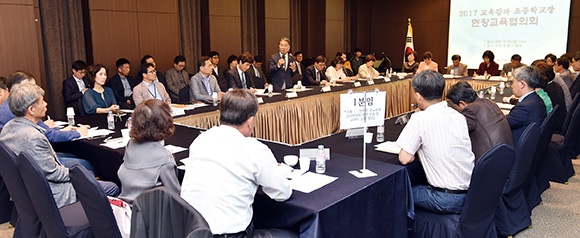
x=260 y=100
x=326 y=89
x=357 y=84
x=371 y=82
x=358 y=110
x=291 y=95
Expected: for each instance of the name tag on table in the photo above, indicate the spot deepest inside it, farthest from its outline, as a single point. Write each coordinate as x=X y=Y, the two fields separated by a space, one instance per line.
x=357 y=84
x=371 y=82
x=387 y=80
x=291 y=95
x=311 y=153
x=260 y=100
x=326 y=89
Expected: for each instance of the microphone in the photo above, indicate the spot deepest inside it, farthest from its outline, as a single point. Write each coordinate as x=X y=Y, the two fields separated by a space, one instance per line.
x=390 y=63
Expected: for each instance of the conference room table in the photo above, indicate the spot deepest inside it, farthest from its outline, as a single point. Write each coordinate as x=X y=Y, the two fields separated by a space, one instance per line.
x=379 y=206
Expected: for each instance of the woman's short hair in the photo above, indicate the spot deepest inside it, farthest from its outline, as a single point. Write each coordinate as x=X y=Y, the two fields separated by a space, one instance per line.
x=546 y=73
x=22 y=96
x=152 y=121
x=237 y=106
x=3 y=83
x=337 y=60
x=427 y=55
x=370 y=58
x=92 y=71
x=489 y=55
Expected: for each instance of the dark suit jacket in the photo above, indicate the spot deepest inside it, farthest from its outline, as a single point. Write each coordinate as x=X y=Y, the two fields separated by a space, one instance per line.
x=258 y=81
x=72 y=96
x=575 y=88
x=309 y=76
x=221 y=79
x=531 y=109
x=234 y=81
x=487 y=126
x=556 y=94
x=118 y=90
x=279 y=75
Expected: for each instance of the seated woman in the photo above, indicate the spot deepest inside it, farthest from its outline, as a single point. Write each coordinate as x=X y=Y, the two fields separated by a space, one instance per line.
x=366 y=70
x=428 y=63
x=335 y=73
x=410 y=65
x=147 y=164
x=98 y=98
x=488 y=65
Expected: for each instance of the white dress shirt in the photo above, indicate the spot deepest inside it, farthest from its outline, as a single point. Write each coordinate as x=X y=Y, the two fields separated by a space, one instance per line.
x=80 y=83
x=332 y=74
x=223 y=174
x=439 y=134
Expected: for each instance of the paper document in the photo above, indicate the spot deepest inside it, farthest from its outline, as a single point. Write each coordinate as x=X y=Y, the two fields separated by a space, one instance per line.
x=303 y=89
x=96 y=133
x=498 y=78
x=505 y=106
x=116 y=143
x=175 y=149
x=309 y=182
x=389 y=147
x=260 y=92
x=128 y=111
x=60 y=124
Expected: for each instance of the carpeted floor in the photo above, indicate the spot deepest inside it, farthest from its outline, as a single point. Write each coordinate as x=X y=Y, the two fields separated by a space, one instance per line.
x=557 y=216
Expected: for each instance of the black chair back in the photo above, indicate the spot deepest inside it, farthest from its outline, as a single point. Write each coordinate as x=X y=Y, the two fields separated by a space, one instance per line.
x=572 y=137
x=28 y=224
x=525 y=150
x=487 y=181
x=94 y=202
x=571 y=110
x=160 y=212
x=50 y=215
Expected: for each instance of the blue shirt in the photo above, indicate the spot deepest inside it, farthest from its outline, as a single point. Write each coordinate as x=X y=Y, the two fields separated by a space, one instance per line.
x=54 y=135
x=207 y=82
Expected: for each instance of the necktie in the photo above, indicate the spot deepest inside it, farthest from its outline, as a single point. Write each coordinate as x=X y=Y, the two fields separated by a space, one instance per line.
x=285 y=61
x=257 y=72
x=244 y=81
x=318 y=76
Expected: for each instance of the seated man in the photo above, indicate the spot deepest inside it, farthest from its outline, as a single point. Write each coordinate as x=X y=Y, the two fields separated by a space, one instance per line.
x=54 y=134
x=75 y=86
x=314 y=74
x=486 y=123
x=530 y=107
x=149 y=59
x=575 y=88
x=221 y=183
x=123 y=84
x=513 y=65
x=238 y=77
x=561 y=67
x=458 y=68
x=203 y=84
x=439 y=135
x=177 y=79
x=26 y=101
x=257 y=74
x=150 y=87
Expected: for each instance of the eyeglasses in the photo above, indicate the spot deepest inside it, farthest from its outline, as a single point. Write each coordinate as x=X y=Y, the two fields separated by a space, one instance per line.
x=152 y=71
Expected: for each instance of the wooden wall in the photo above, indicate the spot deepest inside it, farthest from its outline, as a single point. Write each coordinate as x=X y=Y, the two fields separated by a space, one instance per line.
x=277 y=25
x=133 y=28
x=20 y=39
x=335 y=25
x=225 y=33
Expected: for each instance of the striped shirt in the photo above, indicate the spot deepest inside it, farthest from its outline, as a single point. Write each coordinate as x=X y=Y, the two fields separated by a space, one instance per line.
x=439 y=134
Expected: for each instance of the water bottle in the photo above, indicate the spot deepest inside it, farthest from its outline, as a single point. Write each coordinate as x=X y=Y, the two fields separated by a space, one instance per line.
x=214 y=98
x=320 y=160
x=270 y=90
x=453 y=72
x=110 y=121
x=129 y=123
x=70 y=116
x=380 y=133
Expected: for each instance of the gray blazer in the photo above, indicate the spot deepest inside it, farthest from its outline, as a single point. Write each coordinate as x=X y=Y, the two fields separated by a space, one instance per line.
x=145 y=166
x=197 y=89
x=19 y=135
x=176 y=82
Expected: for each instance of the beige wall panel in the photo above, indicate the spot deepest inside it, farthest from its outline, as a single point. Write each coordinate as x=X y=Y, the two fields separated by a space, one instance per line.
x=275 y=29
x=335 y=10
x=224 y=7
x=225 y=35
x=334 y=39
x=19 y=40
x=166 y=6
x=279 y=9
x=18 y=2
x=112 y=40
x=159 y=37
x=114 y=5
